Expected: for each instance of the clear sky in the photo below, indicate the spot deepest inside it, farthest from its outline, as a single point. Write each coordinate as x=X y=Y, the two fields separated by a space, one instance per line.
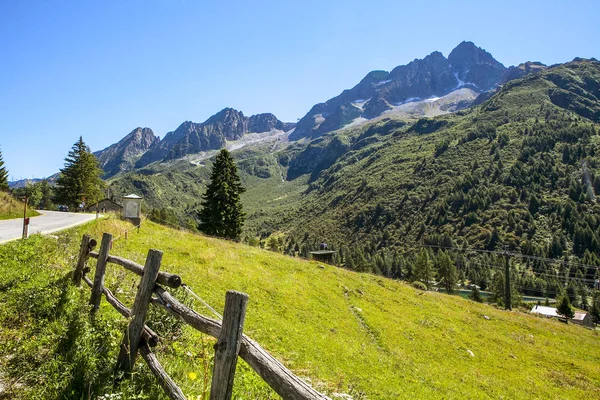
x=102 y=68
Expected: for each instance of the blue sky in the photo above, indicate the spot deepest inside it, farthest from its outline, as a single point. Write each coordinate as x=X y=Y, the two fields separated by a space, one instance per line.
x=102 y=68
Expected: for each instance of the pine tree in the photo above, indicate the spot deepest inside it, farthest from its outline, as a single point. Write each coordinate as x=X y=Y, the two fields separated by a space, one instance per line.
x=565 y=309
x=423 y=270
x=3 y=175
x=222 y=213
x=447 y=272
x=79 y=180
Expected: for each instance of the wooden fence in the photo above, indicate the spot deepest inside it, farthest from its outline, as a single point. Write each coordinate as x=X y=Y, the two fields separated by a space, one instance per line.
x=139 y=337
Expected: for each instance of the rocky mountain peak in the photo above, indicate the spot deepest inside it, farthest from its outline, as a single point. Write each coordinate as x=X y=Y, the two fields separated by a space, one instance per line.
x=122 y=155
x=227 y=125
x=475 y=66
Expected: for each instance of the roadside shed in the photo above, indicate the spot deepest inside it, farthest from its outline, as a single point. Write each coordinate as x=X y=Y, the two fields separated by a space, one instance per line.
x=105 y=205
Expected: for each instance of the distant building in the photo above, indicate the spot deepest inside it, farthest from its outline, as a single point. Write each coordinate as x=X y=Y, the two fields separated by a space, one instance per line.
x=581 y=318
x=323 y=254
x=106 y=205
x=132 y=208
x=549 y=312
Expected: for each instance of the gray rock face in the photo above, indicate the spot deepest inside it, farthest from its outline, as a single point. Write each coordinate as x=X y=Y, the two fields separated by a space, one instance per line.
x=521 y=70
x=122 y=155
x=267 y=122
x=433 y=76
x=226 y=125
x=475 y=65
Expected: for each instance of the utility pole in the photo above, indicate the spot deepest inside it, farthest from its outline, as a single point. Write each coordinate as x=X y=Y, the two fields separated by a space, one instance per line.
x=507 y=294
x=25 y=219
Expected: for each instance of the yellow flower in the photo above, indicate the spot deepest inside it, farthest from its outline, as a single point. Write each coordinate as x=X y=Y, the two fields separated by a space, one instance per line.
x=192 y=375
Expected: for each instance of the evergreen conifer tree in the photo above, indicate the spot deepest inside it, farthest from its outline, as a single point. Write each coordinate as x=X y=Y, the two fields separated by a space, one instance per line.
x=423 y=269
x=222 y=213
x=565 y=309
x=447 y=272
x=79 y=180
x=3 y=175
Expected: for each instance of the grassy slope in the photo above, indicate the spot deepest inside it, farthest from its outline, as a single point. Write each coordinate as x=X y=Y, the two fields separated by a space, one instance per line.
x=348 y=332
x=11 y=208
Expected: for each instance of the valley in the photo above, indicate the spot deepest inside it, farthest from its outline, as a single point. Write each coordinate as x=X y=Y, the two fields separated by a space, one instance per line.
x=454 y=193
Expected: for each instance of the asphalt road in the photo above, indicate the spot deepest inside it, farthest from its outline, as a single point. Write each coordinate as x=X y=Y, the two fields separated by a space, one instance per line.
x=48 y=222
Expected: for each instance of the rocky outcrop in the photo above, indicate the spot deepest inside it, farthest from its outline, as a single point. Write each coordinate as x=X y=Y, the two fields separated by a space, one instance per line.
x=521 y=70
x=433 y=76
x=226 y=125
x=121 y=156
x=267 y=122
x=476 y=66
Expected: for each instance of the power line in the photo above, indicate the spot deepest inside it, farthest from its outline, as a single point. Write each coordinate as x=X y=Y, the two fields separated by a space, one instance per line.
x=513 y=254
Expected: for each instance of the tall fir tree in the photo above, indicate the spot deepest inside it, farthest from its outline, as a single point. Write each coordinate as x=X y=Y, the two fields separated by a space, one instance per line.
x=423 y=269
x=564 y=308
x=3 y=175
x=447 y=272
x=222 y=213
x=79 y=180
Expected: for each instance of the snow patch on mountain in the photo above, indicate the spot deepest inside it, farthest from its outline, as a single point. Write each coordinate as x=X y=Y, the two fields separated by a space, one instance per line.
x=382 y=82
x=356 y=122
x=360 y=103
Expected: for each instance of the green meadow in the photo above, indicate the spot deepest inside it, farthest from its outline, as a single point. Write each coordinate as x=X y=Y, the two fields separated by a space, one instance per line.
x=345 y=332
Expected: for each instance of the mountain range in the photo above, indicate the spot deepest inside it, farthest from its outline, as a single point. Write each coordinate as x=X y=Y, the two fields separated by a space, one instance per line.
x=470 y=153
x=424 y=87
x=141 y=147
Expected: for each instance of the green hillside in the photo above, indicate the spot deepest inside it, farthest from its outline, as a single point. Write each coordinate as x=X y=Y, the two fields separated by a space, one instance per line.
x=347 y=332
x=513 y=164
x=11 y=208
x=517 y=172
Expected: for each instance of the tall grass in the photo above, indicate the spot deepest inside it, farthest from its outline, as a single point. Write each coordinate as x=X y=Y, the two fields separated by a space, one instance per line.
x=12 y=208
x=345 y=332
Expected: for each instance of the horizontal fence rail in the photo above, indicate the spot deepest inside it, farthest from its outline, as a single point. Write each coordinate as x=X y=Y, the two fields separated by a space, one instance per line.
x=139 y=337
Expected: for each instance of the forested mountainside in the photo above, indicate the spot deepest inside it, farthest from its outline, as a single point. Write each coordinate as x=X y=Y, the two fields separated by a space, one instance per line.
x=520 y=170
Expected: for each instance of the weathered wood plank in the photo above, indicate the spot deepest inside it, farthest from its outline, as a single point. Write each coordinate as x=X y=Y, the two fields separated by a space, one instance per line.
x=84 y=250
x=281 y=379
x=170 y=388
x=100 y=270
x=148 y=335
x=228 y=345
x=164 y=278
x=131 y=339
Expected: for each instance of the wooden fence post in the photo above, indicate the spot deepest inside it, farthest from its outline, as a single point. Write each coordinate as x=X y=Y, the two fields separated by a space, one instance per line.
x=84 y=250
x=131 y=339
x=228 y=345
x=100 y=269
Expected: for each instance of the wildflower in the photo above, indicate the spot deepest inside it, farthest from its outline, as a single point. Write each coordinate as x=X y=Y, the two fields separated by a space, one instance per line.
x=192 y=375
